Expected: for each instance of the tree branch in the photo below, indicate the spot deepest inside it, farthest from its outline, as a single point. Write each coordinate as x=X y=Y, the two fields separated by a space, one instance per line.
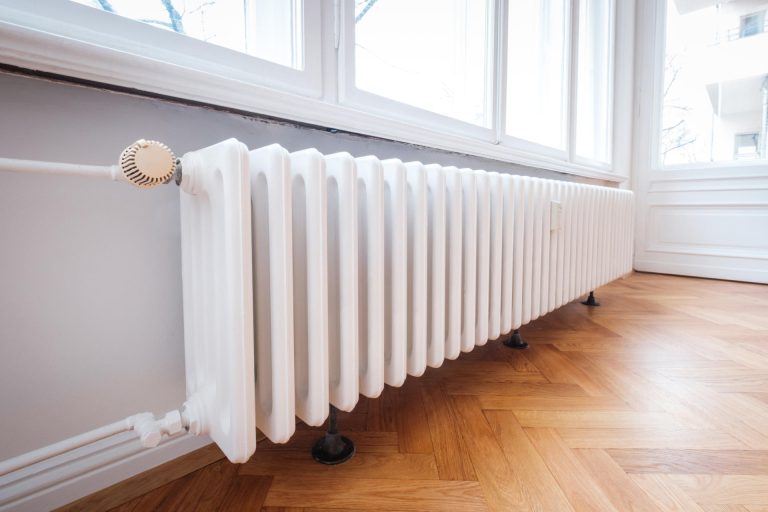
x=678 y=146
x=675 y=72
x=367 y=7
x=174 y=16
x=106 y=6
x=669 y=128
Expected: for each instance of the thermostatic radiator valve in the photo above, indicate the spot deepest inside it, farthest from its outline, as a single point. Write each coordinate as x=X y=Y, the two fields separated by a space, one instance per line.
x=148 y=163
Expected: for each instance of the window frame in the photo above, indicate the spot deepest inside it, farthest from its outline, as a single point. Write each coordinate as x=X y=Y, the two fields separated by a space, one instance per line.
x=574 y=85
x=128 y=41
x=319 y=95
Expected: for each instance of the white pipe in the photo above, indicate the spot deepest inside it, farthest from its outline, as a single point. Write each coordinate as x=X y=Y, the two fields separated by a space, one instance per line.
x=38 y=167
x=149 y=430
x=47 y=452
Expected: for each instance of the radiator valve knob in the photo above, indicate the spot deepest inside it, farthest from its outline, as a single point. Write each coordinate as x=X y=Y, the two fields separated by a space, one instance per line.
x=147 y=163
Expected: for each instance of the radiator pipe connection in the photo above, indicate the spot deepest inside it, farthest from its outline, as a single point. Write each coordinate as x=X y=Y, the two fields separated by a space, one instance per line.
x=144 y=164
x=149 y=430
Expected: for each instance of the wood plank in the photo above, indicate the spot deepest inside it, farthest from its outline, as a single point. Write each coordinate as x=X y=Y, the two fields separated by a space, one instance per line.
x=552 y=403
x=667 y=496
x=450 y=451
x=649 y=438
x=154 y=499
x=246 y=492
x=725 y=379
x=398 y=408
x=709 y=507
x=412 y=426
x=762 y=396
x=518 y=361
x=720 y=409
x=214 y=481
x=725 y=489
x=365 y=441
x=558 y=368
x=641 y=393
x=596 y=419
x=575 y=481
x=727 y=462
x=487 y=371
x=145 y=482
x=409 y=466
x=368 y=494
x=539 y=486
x=614 y=482
x=500 y=484
x=470 y=387
x=181 y=492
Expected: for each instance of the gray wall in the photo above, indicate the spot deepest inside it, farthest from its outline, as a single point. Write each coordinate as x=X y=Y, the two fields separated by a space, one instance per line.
x=90 y=286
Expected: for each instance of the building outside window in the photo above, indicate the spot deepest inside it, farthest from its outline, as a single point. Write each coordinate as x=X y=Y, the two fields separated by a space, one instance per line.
x=714 y=98
x=752 y=24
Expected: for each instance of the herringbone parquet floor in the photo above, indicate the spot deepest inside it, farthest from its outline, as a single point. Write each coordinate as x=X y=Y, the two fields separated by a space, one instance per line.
x=657 y=400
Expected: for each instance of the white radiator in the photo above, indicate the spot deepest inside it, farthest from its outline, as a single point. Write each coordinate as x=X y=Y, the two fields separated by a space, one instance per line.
x=365 y=271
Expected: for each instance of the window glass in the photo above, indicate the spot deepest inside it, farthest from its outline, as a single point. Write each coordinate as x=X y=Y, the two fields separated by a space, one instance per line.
x=714 y=97
x=752 y=24
x=267 y=29
x=537 y=56
x=432 y=54
x=594 y=91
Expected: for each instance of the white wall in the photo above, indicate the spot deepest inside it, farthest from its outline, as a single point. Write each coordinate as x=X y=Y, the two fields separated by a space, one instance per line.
x=90 y=287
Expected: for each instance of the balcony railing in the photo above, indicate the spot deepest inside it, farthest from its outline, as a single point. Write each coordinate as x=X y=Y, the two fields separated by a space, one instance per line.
x=740 y=32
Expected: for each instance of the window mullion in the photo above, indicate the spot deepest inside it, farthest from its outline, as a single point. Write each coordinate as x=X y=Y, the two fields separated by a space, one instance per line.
x=573 y=70
x=499 y=97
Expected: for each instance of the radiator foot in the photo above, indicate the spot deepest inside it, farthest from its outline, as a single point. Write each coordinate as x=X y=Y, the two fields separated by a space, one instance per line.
x=590 y=300
x=333 y=448
x=516 y=341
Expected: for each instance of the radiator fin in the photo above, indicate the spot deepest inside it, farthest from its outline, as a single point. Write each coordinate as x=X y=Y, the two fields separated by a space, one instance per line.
x=273 y=292
x=343 y=330
x=395 y=272
x=310 y=285
x=218 y=300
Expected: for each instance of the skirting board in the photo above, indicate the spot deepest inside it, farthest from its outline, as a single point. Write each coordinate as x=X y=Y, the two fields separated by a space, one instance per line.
x=70 y=476
x=748 y=275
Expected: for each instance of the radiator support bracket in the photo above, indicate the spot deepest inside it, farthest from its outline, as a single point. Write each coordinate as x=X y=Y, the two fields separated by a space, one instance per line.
x=333 y=448
x=516 y=341
x=591 y=301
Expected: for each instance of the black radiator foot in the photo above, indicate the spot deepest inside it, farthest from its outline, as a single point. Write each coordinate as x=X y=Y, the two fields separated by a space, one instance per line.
x=516 y=341
x=333 y=448
x=590 y=300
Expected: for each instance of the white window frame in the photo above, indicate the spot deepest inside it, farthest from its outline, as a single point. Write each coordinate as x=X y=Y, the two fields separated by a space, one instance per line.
x=574 y=88
x=60 y=41
x=133 y=54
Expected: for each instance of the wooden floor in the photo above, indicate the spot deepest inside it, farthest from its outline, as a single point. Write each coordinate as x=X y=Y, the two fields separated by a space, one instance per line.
x=657 y=400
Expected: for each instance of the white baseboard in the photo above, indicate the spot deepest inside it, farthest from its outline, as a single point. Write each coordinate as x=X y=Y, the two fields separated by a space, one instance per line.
x=70 y=476
x=749 y=275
